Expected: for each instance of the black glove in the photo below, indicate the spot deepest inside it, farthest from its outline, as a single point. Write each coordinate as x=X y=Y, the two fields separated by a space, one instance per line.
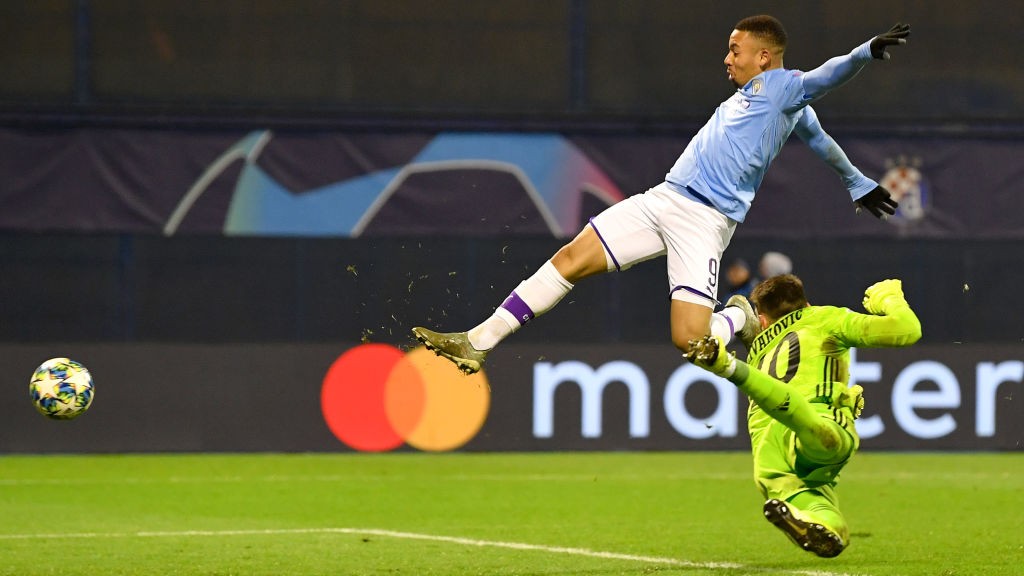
x=895 y=36
x=877 y=201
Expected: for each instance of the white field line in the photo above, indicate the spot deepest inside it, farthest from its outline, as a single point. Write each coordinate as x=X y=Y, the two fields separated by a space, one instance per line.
x=430 y=537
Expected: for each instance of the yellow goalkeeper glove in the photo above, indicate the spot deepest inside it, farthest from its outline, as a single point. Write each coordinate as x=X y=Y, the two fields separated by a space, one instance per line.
x=710 y=354
x=880 y=297
x=852 y=398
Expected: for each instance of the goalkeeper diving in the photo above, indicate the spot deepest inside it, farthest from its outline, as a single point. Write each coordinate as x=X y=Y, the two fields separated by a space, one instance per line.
x=802 y=409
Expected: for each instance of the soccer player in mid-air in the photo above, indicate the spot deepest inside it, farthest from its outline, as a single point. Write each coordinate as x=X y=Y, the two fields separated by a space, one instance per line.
x=802 y=410
x=691 y=216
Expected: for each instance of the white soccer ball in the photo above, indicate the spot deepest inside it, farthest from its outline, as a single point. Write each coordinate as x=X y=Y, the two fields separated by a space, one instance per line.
x=61 y=389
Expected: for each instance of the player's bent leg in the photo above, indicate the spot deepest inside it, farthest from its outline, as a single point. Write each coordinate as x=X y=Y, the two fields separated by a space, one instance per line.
x=824 y=442
x=582 y=257
x=820 y=439
x=802 y=530
x=737 y=319
x=690 y=321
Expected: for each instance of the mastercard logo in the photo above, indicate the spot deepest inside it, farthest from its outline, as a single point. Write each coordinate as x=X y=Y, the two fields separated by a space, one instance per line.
x=376 y=398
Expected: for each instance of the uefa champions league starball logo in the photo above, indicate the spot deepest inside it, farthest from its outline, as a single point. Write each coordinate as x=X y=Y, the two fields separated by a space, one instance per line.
x=908 y=187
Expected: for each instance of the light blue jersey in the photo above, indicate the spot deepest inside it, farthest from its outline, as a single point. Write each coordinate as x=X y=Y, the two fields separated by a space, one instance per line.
x=726 y=160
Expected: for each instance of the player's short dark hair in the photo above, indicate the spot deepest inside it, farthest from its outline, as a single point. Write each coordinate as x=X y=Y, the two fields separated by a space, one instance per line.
x=765 y=27
x=779 y=295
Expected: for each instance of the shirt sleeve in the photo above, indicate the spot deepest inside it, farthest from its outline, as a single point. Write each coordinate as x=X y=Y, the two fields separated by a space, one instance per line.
x=900 y=327
x=833 y=73
x=809 y=129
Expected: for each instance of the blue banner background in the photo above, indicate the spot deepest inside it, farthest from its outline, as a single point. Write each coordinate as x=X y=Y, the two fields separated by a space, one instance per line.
x=472 y=184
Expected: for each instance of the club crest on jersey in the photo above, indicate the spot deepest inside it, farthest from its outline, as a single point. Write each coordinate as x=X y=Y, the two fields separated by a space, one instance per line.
x=756 y=85
x=908 y=186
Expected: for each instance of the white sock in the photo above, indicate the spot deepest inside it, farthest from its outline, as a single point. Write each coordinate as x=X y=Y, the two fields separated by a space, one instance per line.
x=727 y=323
x=493 y=330
x=533 y=297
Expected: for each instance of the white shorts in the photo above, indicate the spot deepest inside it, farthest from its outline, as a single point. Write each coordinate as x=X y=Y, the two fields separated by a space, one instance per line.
x=691 y=235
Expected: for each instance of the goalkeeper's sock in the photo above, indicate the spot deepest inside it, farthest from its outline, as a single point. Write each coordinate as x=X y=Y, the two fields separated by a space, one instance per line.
x=814 y=507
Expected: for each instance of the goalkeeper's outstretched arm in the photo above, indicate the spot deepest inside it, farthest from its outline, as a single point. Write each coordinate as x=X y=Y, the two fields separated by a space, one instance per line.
x=892 y=322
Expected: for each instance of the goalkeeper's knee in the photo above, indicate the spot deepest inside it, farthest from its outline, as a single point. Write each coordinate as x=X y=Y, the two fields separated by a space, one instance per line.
x=826 y=443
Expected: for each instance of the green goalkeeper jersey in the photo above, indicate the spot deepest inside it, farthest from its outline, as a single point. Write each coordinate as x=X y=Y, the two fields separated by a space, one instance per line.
x=809 y=349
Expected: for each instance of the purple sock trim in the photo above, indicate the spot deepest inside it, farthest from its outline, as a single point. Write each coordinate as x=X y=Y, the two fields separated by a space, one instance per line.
x=515 y=306
x=732 y=329
x=607 y=249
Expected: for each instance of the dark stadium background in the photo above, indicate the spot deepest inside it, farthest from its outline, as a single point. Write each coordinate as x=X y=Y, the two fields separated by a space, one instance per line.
x=626 y=82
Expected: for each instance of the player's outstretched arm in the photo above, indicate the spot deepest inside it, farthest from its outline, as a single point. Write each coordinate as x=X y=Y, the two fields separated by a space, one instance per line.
x=892 y=321
x=837 y=71
x=865 y=192
x=808 y=128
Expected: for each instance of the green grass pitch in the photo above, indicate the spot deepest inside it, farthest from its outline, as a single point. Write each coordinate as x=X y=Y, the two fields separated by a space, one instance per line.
x=696 y=514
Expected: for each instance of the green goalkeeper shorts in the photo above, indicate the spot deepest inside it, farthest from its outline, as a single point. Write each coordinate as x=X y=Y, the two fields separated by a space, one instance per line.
x=780 y=471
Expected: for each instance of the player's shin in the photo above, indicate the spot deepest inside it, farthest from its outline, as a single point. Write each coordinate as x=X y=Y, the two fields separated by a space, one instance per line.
x=533 y=297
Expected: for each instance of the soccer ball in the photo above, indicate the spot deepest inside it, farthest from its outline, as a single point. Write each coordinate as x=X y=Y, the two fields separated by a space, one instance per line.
x=61 y=389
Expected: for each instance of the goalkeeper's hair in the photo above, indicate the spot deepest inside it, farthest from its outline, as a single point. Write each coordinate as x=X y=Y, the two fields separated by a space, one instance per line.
x=767 y=28
x=778 y=296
